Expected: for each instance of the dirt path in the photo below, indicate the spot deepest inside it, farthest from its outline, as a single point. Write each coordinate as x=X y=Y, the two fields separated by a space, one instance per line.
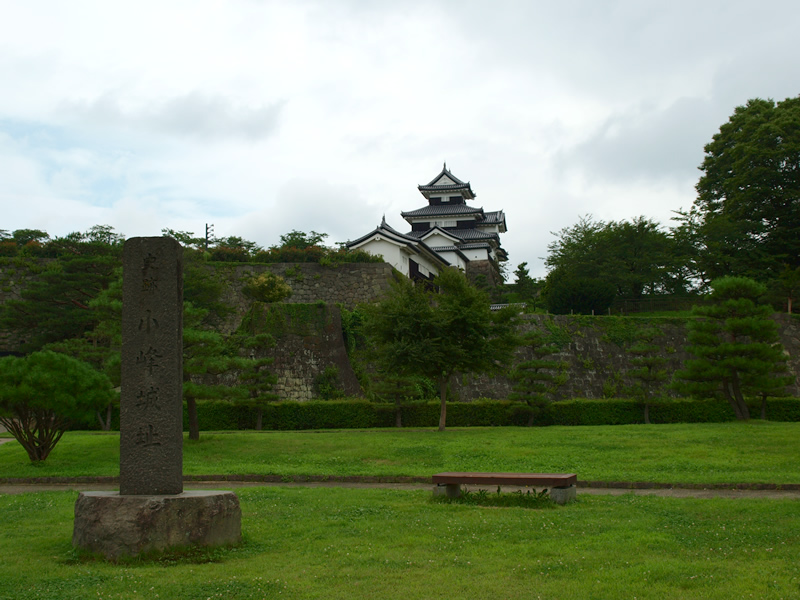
x=204 y=485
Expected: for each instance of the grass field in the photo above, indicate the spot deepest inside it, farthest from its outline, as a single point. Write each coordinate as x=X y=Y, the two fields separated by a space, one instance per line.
x=341 y=543
x=752 y=452
x=375 y=543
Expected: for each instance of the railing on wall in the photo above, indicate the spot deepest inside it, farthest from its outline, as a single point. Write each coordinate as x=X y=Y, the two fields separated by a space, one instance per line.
x=627 y=306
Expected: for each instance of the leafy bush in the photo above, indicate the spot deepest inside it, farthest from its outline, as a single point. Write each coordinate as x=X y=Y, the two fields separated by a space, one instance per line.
x=228 y=254
x=289 y=254
x=327 y=384
x=518 y=498
x=266 y=287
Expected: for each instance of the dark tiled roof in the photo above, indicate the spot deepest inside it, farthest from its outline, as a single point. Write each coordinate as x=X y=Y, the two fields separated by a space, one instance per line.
x=475 y=246
x=461 y=234
x=455 y=249
x=401 y=238
x=443 y=210
x=456 y=185
x=495 y=216
x=385 y=229
x=444 y=171
x=474 y=234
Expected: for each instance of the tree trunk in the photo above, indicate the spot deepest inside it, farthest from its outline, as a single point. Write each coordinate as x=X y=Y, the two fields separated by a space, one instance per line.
x=194 y=426
x=531 y=412
x=733 y=394
x=727 y=391
x=259 y=418
x=105 y=424
x=37 y=431
x=398 y=415
x=763 y=407
x=737 y=394
x=443 y=405
x=647 y=413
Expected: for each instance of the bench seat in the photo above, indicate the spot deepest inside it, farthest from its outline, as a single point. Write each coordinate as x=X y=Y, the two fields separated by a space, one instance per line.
x=561 y=485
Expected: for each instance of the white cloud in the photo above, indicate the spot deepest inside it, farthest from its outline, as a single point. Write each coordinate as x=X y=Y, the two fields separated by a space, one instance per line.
x=194 y=115
x=267 y=116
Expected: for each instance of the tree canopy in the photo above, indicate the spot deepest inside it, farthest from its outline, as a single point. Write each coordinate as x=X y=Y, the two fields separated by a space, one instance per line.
x=746 y=218
x=439 y=330
x=44 y=393
x=736 y=346
x=592 y=262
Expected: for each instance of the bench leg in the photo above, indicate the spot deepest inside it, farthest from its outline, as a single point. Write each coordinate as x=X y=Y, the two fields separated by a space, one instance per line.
x=562 y=495
x=451 y=490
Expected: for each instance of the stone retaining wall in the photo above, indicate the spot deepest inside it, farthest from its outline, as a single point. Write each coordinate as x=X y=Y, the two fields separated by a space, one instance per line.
x=347 y=284
x=595 y=350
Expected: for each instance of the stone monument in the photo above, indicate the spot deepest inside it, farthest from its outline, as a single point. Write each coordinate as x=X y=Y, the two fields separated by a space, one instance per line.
x=151 y=512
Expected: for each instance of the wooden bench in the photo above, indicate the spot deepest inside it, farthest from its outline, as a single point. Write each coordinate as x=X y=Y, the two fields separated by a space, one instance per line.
x=561 y=485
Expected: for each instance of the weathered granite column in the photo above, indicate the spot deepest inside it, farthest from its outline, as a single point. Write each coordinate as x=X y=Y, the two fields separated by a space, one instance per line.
x=151 y=406
x=151 y=512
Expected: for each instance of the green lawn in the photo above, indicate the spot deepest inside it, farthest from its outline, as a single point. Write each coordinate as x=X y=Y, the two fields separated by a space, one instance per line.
x=752 y=452
x=342 y=543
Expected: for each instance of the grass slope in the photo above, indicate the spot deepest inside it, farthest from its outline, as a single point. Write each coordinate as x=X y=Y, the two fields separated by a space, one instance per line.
x=753 y=452
x=344 y=543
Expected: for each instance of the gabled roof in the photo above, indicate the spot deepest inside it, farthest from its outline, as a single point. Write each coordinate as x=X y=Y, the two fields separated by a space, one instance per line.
x=446 y=182
x=392 y=235
x=438 y=230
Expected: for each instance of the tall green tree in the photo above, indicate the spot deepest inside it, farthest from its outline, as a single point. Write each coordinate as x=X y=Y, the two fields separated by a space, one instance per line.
x=525 y=288
x=746 y=217
x=43 y=394
x=736 y=346
x=438 y=331
x=592 y=262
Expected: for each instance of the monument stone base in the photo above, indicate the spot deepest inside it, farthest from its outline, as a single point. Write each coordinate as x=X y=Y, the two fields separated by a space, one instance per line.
x=119 y=526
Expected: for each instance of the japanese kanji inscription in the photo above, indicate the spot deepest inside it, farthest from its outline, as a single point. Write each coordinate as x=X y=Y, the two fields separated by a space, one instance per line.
x=151 y=405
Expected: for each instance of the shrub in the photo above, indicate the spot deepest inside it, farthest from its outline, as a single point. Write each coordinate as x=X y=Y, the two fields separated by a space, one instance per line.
x=359 y=413
x=44 y=393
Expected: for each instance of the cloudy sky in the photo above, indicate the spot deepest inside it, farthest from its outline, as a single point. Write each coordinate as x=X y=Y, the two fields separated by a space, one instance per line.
x=262 y=117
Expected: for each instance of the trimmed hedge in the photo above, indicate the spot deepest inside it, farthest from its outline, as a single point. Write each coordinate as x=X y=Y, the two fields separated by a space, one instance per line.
x=360 y=414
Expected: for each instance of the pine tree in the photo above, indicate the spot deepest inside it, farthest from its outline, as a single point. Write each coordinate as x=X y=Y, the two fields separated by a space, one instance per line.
x=736 y=345
x=536 y=380
x=648 y=372
x=43 y=394
x=256 y=378
x=206 y=356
